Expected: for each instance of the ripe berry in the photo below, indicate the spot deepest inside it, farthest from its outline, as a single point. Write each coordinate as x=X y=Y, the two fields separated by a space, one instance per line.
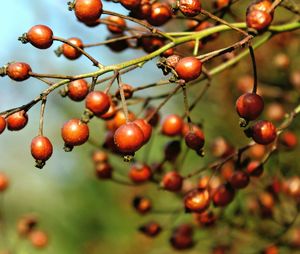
x=40 y=36
x=188 y=68
x=239 y=179
x=220 y=4
x=160 y=14
x=18 y=71
x=99 y=156
x=151 y=229
x=145 y=127
x=71 y=52
x=151 y=43
x=111 y=112
x=140 y=173
x=172 y=125
x=223 y=195
x=289 y=139
x=26 y=224
x=129 y=138
x=119 y=26
x=194 y=139
x=275 y=111
x=142 y=204
x=154 y=119
x=258 y=20
x=128 y=92
x=17 y=121
x=98 y=102
x=255 y=168
x=261 y=5
x=78 y=90
x=172 y=181
x=38 y=239
x=118 y=45
x=88 y=11
x=182 y=237
x=249 y=106
x=2 y=124
x=41 y=148
x=142 y=11
x=205 y=219
x=130 y=4
x=190 y=8
x=103 y=170
x=4 y=182
x=74 y=132
x=197 y=201
x=263 y=132
x=172 y=150
x=120 y=119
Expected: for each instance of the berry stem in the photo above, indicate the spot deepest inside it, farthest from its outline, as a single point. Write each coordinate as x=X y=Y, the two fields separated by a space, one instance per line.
x=112 y=80
x=254 y=89
x=42 y=112
x=123 y=100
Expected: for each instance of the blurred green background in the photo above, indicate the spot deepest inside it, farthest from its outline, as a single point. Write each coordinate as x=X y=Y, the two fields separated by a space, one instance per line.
x=80 y=213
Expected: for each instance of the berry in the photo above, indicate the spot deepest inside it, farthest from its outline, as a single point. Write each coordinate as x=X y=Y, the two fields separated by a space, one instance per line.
x=128 y=92
x=151 y=229
x=41 y=148
x=239 y=179
x=103 y=170
x=26 y=224
x=18 y=71
x=205 y=219
x=151 y=43
x=190 y=8
x=120 y=119
x=154 y=119
x=119 y=26
x=249 y=106
x=255 y=168
x=142 y=204
x=220 y=4
x=188 y=68
x=194 y=139
x=4 y=182
x=172 y=181
x=142 y=11
x=172 y=150
x=98 y=102
x=111 y=112
x=182 y=237
x=38 y=239
x=99 y=156
x=140 y=173
x=160 y=14
x=172 y=125
x=74 y=132
x=145 y=127
x=197 y=201
x=71 y=52
x=289 y=139
x=17 y=121
x=258 y=20
x=2 y=124
x=130 y=4
x=263 y=132
x=78 y=90
x=129 y=138
x=223 y=195
x=88 y=11
x=40 y=36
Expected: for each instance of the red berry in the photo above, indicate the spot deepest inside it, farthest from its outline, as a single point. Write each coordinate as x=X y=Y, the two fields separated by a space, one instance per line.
x=71 y=52
x=288 y=139
x=205 y=219
x=249 y=106
x=128 y=92
x=119 y=26
x=194 y=139
x=223 y=195
x=104 y=170
x=263 y=132
x=98 y=102
x=155 y=118
x=142 y=204
x=151 y=229
x=17 y=121
x=99 y=156
x=220 y=4
x=190 y=8
x=120 y=119
x=130 y=4
x=88 y=11
x=258 y=20
x=172 y=181
x=111 y=112
x=172 y=125
x=151 y=43
x=2 y=124
x=142 y=11
x=197 y=200
x=239 y=179
x=78 y=90
x=140 y=173
x=40 y=36
x=172 y=150
x=255 y=168
x=188 y=68
x=145 y=127
x=74 y=132
x=41 y=148
x=38 y=239
x=4 y=182
x=160 y=14
x=129 y=138
x=18 y=71
x=182 y=237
